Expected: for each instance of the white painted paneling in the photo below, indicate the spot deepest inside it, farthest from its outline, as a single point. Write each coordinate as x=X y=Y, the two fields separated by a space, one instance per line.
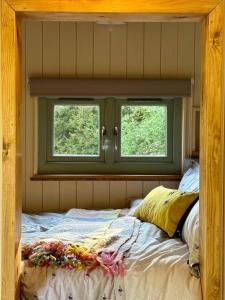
x=34 y=196
x=85 y=39
x=169 y=50
x=101 y=194
x=34 y=67
x=134 y=50
x=118 y=48
x=34 y=47
x=186 y=50
x=152 y=50
x=51 y=196
x=148 y=186
x=67 y=195
x=117 y=194
x=51 y=68
x=170 y=184
x=134 y=191
x=85 y=194
x=198 y=58
x=68 y=49
x=101 y=51
x=51 y=49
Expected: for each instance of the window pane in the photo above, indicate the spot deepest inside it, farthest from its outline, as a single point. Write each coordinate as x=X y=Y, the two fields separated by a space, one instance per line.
x=143 y=130
x=76 y=130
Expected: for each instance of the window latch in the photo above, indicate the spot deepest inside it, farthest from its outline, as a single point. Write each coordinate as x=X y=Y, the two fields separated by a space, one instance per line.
x=116 y=133
x=103 y=133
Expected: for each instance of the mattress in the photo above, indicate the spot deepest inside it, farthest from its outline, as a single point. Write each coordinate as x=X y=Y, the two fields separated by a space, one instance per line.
x=156 y=269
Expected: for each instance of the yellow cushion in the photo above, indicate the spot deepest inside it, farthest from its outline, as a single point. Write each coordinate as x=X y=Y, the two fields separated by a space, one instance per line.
x=164 y=208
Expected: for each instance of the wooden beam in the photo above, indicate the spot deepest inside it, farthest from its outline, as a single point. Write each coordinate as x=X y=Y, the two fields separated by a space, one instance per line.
x=212 y=123
x=115 y=6
x=1 y=215
x=111 y=18
x=212 y=157
x=11 y=207
x=18 y=196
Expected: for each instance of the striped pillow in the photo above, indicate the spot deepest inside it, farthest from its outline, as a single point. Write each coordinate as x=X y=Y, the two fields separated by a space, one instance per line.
x=190 y=180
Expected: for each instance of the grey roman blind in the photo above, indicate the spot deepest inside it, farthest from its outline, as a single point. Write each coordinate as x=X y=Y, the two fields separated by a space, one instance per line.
x=68 y=87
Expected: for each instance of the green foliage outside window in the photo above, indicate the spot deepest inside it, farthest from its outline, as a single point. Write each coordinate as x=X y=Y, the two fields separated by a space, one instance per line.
x=76 y=130
x=143 y=130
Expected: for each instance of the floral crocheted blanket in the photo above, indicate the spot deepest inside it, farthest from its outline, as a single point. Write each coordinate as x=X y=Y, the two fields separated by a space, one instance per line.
x=83 y=239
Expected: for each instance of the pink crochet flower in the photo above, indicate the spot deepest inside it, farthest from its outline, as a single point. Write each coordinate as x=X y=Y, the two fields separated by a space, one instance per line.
x=110 y=265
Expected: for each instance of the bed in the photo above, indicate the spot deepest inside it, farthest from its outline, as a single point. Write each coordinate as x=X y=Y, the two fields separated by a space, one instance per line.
x=155 y=266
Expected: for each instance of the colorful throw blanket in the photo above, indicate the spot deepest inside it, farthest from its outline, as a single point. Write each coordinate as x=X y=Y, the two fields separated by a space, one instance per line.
x=83 y=240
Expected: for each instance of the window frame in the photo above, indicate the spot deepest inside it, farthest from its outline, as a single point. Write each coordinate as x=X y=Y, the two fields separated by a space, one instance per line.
x=109 y=162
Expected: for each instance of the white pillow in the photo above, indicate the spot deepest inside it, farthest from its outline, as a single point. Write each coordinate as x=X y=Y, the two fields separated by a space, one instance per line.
x=190 y=180
x=190 y=234
x=134 y=204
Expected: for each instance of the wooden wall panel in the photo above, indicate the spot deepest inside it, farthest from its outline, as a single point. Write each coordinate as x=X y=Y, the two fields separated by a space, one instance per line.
x=69 y=49
x=152 y=50
x=170 y=184
x=169 y=50
x=199 y=32
x=135 y=49
x=118 y=51
x=186 y=50
x=51 y=67
x=186 y=69
x=134 y=191
x=101 y=50
x=148 y=186
x=85 y=194
x=117 y=194
x=34 y=48
x=34 y=191
x=51 y=196
x=67 y=195
x=51 y=49
x=85 y=39
x=101 y=194
x=34 y=67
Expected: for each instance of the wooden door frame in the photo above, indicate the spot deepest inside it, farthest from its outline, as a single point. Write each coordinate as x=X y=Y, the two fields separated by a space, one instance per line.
x=212 y=119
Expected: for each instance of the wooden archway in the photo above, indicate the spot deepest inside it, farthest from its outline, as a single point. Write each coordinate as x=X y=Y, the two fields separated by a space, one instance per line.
x=211 y=14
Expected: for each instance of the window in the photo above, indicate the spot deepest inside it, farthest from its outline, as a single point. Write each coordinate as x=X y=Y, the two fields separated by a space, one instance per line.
x=109 y=136
x=74 y=134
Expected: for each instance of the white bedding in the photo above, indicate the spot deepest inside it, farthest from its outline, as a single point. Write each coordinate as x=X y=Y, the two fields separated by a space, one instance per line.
x=156 y=270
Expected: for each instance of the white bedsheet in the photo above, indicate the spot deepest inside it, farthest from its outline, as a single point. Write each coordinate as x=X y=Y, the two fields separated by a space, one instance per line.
x=156 y=270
